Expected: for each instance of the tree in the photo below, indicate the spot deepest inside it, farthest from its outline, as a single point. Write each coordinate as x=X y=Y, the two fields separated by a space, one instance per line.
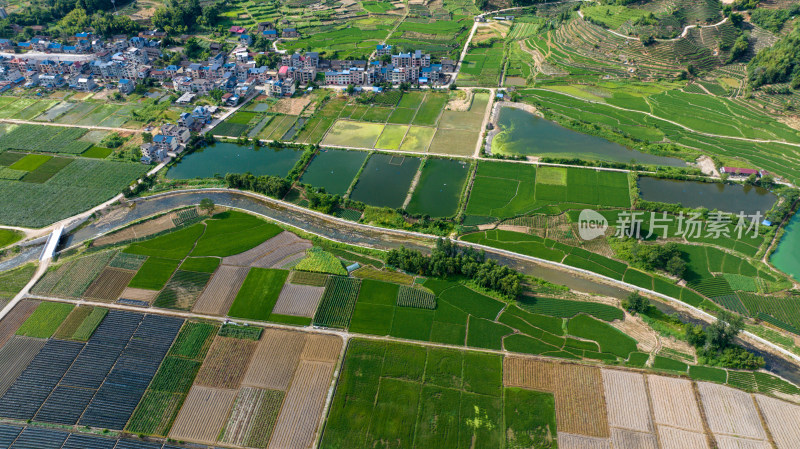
x=636 y=303
x=350 y=89
x=676 y=266
x=722 y=333
x=207 y=206
x=147 y=137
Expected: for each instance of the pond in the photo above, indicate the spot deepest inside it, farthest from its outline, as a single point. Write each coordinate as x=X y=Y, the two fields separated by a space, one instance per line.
x=385 y=180
x=334 y=169
x=223 y=158
x=732 y=198
x=787 y=257
x=526 y=134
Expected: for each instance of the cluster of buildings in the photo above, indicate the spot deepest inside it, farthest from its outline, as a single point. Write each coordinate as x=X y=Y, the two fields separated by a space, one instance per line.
x=172 y=138
x=413 y=68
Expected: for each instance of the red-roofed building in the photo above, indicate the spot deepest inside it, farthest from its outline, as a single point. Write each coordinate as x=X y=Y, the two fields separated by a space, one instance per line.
x=283 y=71
x=237 y=29
x=744 y=172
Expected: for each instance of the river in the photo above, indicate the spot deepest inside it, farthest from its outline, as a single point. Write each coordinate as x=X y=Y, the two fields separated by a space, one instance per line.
x=373 y=238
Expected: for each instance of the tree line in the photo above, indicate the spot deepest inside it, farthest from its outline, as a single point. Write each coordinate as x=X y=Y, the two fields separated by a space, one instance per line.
x=447 y=259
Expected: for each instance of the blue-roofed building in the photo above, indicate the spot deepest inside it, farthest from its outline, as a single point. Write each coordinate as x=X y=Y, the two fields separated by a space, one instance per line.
x=126 y=86
x=270 y=34
x=381 y=50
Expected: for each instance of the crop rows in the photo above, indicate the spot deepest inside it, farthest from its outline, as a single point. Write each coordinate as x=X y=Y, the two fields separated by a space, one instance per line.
x=72 y=322
x=15 y=357
x=419 y=298
x=712 y=287
x=109 y=285
x=182 y=290
x=45 y=320
x=74 y=277
x=226 y=363
x=567 y=309
x=46 y=139
x=127 y=261
x=298 y=300
x=112 y=406
x=320 y=261
x=308 y=278
x=35 y=384
x=241 y=332
x=337 y=302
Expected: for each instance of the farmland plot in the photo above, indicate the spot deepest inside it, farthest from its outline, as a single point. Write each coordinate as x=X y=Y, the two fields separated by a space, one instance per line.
x=218 y=296
x=529 y=373
x=17 y=316
x=249 y=257
x=674 y=403
x=243 y=422
x=182 y=290
x=730 y=412
x=626 y=399
x=299 y=417
x=729 y=442
x=781 y=418
x=15 y=356
x=580 y=408
x=298 y=300
x=322 y=348
x=226 y=362
x=203 y=414
x=570 y=441
x=337 y=303
x=139 y=294
x=275 y=359
x=629 y=439
x=110 y=284
x=672 y=438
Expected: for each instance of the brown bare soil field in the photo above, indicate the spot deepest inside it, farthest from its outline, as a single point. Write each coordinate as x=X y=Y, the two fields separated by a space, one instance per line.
x=110 y=284
x=570 y=441
x=248 y=257
x=781 y=418
x=218 y=296
x=17 y=316
x=226 y=363
x=15 y=357
x=730 y=412
x=139 y=294
x=626 y=399
x=202 y=415
x=646 y=338
x=298 y=300
x=277 y=257
x=672 y=438
x=322 y=348
x=580 y=407
x=302 y=409
x=729 y=442
x=242 y=415
x=528 y=373
x=275 y=359
x=136 y=231
x=674 y=403
x=72 y=322
x=288 y=263
x=291 y=106
x=629 y=439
